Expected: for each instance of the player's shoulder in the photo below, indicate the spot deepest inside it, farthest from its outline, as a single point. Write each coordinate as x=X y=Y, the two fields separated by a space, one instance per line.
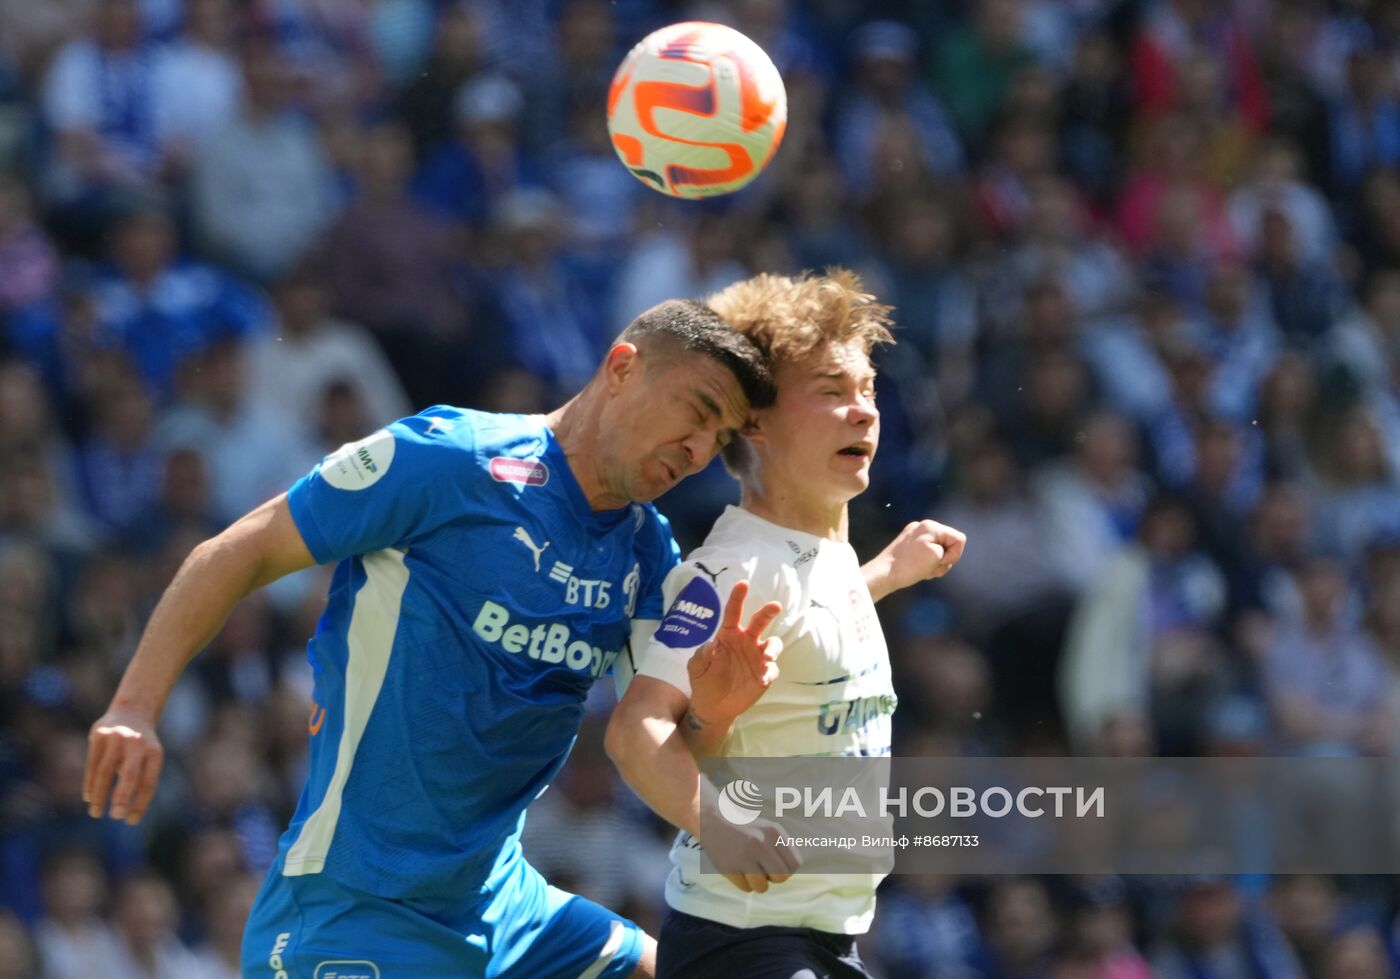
x=759 y=546
x=506 y=445
x=651 y=528
x=741 y=548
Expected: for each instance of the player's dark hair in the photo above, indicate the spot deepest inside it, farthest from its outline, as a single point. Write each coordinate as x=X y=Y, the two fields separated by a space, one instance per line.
x=687 y=326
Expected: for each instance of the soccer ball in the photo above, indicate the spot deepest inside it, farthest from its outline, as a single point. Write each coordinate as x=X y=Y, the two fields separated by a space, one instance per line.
x=696 y=110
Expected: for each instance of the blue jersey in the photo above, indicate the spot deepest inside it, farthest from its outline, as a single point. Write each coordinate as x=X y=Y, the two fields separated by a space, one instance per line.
x=476 y=600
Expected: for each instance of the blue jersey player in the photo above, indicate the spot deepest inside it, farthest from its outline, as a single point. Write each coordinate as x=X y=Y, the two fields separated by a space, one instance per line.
x=489 y=568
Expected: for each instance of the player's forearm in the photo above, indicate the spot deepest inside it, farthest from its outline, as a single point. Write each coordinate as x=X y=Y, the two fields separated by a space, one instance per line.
x=655 y=761
x=705 y=732
x=877 y=576
x=211 y=581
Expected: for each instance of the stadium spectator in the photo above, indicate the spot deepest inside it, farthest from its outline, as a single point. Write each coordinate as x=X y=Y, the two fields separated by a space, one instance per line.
x=692 y=255
x=926 y=928
x=1212 y=936
x=976 y=61
x=1097 y=496
x=184 y=500
x=578 y=73
x=1141 y=639
x=1309 y=913
x=147 y=946
x=1277 y=184
x=28 y=261
x=1019 y=930
x=17 y=956
x=554 y=333
x=99 y=103
x=1305 y=295
x=247 y=447
x=1357 y=953
x=886 y=99
x=225 y=915
x=1358 y=495
x=72 y=938
x=1324 y=678
x=1173 y=34
x=289 y=366
x=462 y=177
x=159 y=308
x=120 y=463
x=262 y=189
x=198 y=80
x=1100 y=933
x=45 y=819
x=426 y=105
x=388 y=263
x=1364 y=120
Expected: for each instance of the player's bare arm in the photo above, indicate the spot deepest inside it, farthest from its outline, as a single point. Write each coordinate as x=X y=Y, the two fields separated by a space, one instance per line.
x=258 y=549
x=923 y=550
x=649 y=734
x=645 y=741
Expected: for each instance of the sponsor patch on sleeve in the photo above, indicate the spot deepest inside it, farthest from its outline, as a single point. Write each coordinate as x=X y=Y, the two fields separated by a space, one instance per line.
x=361 y=464
x=692 y=618
x=530 y=472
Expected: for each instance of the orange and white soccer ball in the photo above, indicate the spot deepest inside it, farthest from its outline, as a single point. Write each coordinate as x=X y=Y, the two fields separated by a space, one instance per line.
x=696 y=110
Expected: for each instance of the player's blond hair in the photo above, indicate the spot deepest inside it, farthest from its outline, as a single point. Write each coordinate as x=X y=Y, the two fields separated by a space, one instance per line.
x=788 y=319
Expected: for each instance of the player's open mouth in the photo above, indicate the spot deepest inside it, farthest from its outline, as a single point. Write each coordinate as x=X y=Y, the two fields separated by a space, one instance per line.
x=862 y=449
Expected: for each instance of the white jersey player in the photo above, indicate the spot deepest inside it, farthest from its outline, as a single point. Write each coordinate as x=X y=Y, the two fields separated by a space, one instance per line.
x=706 y=684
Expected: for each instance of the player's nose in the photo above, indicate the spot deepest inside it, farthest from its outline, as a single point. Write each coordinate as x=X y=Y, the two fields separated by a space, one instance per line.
x=863 y=412
x=697 y=450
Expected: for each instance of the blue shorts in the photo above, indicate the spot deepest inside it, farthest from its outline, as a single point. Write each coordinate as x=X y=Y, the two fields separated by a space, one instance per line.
x=313 y=927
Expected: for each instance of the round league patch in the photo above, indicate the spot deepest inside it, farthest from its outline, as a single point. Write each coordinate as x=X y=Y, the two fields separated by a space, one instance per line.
x=359 y=464
x=692 y=617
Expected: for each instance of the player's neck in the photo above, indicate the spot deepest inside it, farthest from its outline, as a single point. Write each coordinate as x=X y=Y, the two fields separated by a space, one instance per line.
x=576 y=429
x=798 y=511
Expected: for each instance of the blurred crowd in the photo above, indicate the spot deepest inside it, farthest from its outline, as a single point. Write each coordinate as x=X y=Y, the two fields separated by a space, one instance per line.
x=1145 y=260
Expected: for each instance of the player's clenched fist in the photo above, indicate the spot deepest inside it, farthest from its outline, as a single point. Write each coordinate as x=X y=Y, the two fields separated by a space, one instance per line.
x=749 y=857
x=924 y=549
x=730 y=672
x=122 y=746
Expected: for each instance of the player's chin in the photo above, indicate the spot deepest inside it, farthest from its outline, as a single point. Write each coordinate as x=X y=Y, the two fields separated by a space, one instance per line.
x=648 y=488
x=851 y=479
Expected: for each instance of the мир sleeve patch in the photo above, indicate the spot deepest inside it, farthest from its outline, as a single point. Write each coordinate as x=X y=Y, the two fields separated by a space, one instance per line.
x=692 y=617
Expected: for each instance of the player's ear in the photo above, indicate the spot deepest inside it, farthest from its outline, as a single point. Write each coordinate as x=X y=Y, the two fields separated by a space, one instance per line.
x=621 y=363
x=752 y=428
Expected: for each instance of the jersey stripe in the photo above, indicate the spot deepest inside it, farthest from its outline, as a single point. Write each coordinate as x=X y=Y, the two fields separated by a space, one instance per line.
x=373 y=623
x=610 y=949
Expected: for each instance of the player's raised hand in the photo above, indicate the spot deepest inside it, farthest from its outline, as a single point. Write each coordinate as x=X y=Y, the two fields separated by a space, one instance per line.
x=730 y=672
x=122 y=746
x=924 y=549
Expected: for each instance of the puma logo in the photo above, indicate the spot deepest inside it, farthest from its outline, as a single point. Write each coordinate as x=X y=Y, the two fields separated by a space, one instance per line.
x=714 y=575
x=523 y=535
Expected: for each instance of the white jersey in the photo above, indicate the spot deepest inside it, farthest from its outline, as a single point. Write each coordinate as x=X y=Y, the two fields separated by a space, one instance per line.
x=833 y=696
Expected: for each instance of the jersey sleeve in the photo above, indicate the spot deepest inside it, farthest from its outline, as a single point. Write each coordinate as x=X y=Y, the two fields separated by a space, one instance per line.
x=388 y=489
x=695 y=593
x=657 y=554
